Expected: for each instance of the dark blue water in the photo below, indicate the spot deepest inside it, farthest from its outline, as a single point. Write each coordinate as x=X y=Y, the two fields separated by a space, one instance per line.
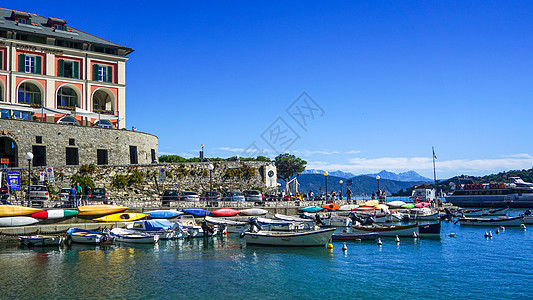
x=466 y=266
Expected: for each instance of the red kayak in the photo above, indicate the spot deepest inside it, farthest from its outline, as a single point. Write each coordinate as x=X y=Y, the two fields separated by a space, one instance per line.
x=422 y=204
x=364 y=208
x=225 y=212
x=331 y=206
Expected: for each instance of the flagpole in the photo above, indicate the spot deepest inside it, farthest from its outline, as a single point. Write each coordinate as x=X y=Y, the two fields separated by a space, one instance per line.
x=434 y=171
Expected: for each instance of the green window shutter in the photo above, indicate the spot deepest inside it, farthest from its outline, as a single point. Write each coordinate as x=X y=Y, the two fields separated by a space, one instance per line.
x=76 y=69
x=22 y=63
x=61 y=68
x=1 y=60
x=109 y=74
x=95 y=72
x=38 y=65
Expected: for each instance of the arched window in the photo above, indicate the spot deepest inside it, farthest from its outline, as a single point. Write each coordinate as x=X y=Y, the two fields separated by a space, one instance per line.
x=67 y=98
x=102 y=102
x=30 y=94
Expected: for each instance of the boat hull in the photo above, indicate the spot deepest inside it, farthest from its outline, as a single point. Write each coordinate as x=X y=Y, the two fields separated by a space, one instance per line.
x=429 y=229
x=16 y=210
x=41 y=240
x=254 y=212
x=55 y=214
x=163 y=214
x=224 y=212
x=93 y=210
x=130 y=236
x=501 y=221
x=121 y=217
x=513 y=200
x=309 y=238
x=17 y=221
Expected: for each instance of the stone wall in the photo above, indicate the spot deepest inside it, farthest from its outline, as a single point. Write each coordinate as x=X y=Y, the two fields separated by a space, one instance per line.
x=57 y=137
x=226 y=176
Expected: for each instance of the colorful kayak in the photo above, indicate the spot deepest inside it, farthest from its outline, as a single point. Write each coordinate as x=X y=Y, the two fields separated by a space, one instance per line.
x=225 y=212
x=121 y=217
x=16 y=210
x=408 y=205
x=331 y=206
x=382 y=207
x=348 y=207
x=422 y=204
x=371 y=203
x=311 y=209
x=55 y=214
x=254 y=212
x=364 y=208
x=197 y=212
x=17 y=221
x=163 y=213
x=395 y=204
x=101 y=209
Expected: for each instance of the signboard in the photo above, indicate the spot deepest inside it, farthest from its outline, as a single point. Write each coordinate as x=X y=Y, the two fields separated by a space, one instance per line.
x=50 y=175
x=349 y=182
x=41 y=176
x=13 y=179
x=163 y=174
x=4 y=161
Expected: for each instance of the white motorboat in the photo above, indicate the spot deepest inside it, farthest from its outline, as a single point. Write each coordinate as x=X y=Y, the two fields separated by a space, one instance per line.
x=277 y=238
x=388 y=230
x=165 y=229
x=83 y=236
x=189 y=223
x=423 y=214
x=133 y=236
x=229 y=226
x=500 y=221
x=281 y=225
x=41 y=240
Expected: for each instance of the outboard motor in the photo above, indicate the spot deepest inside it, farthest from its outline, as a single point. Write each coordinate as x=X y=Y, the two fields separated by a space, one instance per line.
x=368 y=221
x=207 y=230
x=527 y=213
x=448 y=214
x=355 y=219
x=318 y=220
x=254 y=225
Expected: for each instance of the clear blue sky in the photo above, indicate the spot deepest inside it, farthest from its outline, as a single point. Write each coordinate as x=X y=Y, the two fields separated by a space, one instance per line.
x=392 y=78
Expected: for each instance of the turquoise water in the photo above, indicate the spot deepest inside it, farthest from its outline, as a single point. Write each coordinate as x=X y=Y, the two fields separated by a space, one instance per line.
x=467 y=266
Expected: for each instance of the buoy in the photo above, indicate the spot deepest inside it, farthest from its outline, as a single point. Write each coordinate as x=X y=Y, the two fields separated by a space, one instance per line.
x=490 y=234
x=329 y=246
x=452 y=234
x=344 y=248
x=415 y=235
x=523 y=226
x=497 y=231
x=397 y=239
x=380 y=242
x=486 y=234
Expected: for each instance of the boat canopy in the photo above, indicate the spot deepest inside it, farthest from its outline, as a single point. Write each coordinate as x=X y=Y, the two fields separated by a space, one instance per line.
x=157 y=224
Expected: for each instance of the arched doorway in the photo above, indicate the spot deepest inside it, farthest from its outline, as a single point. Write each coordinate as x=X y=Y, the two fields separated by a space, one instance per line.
x=9 y=150
x=103 y=102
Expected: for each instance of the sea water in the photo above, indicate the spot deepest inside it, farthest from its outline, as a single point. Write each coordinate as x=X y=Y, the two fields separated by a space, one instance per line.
x=465 y=266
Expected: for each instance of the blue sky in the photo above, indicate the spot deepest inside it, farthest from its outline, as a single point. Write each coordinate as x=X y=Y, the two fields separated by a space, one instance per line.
x=388 y=79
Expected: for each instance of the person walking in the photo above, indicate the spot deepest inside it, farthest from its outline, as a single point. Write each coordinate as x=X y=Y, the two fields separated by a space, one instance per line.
x=79 y=194
x=85 y=195
x=348 y=194
x=5 y=192
x=72 y=196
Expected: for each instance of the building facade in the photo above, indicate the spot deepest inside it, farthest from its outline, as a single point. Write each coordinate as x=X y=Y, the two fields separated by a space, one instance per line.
x=51 y=72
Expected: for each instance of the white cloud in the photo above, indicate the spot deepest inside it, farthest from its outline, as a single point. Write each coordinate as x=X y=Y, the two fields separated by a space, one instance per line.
x=353 y=152
x=231 y=149
x=313 y=152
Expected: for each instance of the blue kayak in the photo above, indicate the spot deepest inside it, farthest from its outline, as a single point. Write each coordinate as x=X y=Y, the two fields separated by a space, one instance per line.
x=311 y=209
x=163 y=214
x=197 y=212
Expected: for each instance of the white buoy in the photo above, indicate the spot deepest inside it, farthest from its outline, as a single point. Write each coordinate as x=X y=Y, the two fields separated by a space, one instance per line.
x=344 y=248
x=502 y=228
x=490 y=234
x=397 y=239
x=380 y=242
x=486 y=234
x=523 y=226
x=415 y=235
x=452 y=234
x=497 y=231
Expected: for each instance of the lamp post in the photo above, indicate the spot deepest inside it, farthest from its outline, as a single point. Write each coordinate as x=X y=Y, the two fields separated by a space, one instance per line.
x=202 y=153
x=326 y=178
x=340 y=196
x=29 y=157
x=210 y=167
x=379 y=192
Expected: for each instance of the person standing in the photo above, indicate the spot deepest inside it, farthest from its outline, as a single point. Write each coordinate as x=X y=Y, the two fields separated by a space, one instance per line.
x=85 y=195
x=5 y=192
x=349 y=194
x=72 y=196
x=79 y=194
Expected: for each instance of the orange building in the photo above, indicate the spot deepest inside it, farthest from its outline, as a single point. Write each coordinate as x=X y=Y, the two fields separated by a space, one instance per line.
x=51 y=72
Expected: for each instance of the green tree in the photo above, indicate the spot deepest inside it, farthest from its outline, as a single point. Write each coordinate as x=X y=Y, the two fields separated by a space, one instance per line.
x=289 y=165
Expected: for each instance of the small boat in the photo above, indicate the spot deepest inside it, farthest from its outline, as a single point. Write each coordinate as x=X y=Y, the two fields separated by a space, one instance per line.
x=331 y=206
x=55 y=214
x=311 y=209
x=429 y=229
x=422 y=204
x=408 y=205
x=528 y=219
x=84 y=236
x=121 y=217
x=350 y=236
x=395 y=204
x=423 y=214
x=276 y=238
x=41 y=240
x=163 y=228
x=500 y=221
x=364 y=208
x=229 y=226
x=189 y=223
x=8 y=210
x=163 y=213
x=254 y=212
x=328 y=220
x=280 y=225
x=17 y=221
x=197 y=212
x=133 y=236
x=497 y=212
x=388 y=230
x=101 y=209
x=348 y=207
x=225 y=212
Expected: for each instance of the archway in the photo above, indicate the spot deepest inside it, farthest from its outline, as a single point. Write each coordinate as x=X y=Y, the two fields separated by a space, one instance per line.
x=103 y=101
x=9 y=150
x=67 y=98
x=29 y=93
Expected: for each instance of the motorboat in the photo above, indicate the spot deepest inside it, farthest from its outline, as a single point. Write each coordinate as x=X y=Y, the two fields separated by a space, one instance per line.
x=229 y=226
x=165 y=229
x=500 y=221
x=423 y=214
x=133 y=236
x=189 y=223
x=280 y=225
x=388 y=230
x=432 y=229
x=41 y=240
x=278 y=238
x=84 y=236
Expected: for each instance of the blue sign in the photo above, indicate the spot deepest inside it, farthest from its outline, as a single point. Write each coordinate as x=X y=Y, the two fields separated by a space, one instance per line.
x=13 y=179
x=348 y=182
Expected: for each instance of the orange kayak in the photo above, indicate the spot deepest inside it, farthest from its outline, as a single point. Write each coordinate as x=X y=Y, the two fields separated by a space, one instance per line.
x=331 y=206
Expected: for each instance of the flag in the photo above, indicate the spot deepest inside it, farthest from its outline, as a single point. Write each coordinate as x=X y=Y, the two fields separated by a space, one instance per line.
x=434 y=156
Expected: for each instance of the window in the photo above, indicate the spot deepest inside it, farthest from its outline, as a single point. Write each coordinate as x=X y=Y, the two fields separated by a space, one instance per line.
x=30 y=64
x=58 y=27
x=1 y=93
x=102 y=73
x=21 y=20
x=133 y=155
x=68 y=68
x=72 y=142
x=1 y=61
x=67 y=98
x=101 y=157
x=72 y=156
x=38 y=139
x=29 y=93
x=39 y=156
x=153 y=156
x=102 y=102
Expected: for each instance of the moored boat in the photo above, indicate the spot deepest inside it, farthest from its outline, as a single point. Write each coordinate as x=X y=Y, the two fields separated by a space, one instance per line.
x=41 y=240
x=311 y=209
x=229 y=226
x=348 y=207
x=276 y=238
x=429 y=229
x=163 y=228
x=500 y=221
x=388 y=230
x=197 y=212
x=280 y=225
x=84 y=236
x=224 y=212
x=331 y=206
x=133 y=236
x=516 y=194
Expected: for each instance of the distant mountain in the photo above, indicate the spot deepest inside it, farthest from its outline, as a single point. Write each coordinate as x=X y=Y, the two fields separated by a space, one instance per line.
x=361 y=185
x=333 y=173
x=405 y=176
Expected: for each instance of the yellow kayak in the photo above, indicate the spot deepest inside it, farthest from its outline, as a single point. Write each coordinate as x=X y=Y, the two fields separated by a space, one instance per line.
x=16 y=210
x=371 y=203
x=121 y=217
x=382 y=207
x=102 y=209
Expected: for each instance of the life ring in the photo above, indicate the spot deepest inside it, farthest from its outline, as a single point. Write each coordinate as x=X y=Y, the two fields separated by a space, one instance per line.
x=429 y=200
